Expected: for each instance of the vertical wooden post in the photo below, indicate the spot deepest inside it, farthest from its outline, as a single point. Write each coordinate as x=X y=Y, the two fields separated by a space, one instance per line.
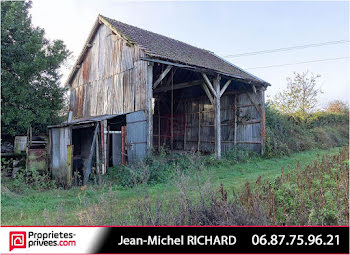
x=185 y=120
x=199 y=127
x=123 y=145
x=108 y=147
x=104 y=145
x=158 y=126
x=69 y=164
x=172 y=112
x=98 y=154
x=149 y=96
x=92 y=148
x=235 y=130
x=263 y=122
x=217 y=117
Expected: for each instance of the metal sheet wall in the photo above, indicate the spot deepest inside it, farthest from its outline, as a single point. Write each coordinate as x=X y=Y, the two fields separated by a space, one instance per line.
x=136 y=135
x=60 y=138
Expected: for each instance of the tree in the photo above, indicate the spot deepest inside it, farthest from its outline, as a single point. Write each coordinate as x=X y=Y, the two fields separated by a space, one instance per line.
x=300 y=97
x=31 y=94
x=338 y=106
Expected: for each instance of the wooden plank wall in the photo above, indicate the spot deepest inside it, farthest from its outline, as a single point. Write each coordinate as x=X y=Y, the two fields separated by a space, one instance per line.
x=111 y=79
x=200 y=123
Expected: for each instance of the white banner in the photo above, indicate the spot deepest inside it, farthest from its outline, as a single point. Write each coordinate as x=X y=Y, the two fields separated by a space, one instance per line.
x=50 y=239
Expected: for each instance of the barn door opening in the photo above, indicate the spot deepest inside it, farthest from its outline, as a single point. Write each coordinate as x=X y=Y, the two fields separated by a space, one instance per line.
x=136 y=127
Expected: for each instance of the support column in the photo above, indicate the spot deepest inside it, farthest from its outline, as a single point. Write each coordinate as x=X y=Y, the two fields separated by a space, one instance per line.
x=149 y=96
x=217 y=118
x=263 y=121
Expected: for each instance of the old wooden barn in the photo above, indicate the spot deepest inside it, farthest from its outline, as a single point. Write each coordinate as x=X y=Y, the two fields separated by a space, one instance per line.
x=133 y=91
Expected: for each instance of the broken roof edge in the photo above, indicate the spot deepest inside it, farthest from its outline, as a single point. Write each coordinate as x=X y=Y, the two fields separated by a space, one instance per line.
x=86 y=120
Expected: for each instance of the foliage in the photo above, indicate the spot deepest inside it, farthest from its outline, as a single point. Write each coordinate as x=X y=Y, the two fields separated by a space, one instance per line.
x=285 y=134
x=300 y=97
x=337 y=106
x=316 y=195
x=31 y=179
x=31 y=94
x=155 y=169
x=113 y=204
x=321 y=118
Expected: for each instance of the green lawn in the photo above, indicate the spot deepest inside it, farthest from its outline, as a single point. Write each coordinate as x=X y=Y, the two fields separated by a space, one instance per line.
x=62 y=207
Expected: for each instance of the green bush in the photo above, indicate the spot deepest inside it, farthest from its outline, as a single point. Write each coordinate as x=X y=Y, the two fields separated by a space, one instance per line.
x=320 y=119
x=285 y=134
x=155 y=169
x=31 y=179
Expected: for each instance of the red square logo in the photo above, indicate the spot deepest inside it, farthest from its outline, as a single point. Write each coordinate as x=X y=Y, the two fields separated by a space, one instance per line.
x=18 y=239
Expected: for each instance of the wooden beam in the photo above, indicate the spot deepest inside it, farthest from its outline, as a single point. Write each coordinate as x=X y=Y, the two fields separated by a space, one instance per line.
x=254 y=103
x=217 y=118
x=206 y=90
x=92 y=149
x=162 y=76
x=178 y=86
x=149 y=95
x=263 y=120
x=104 y=148
x=235 y=131
x=210 y=86
x=97 y=155
x=254 y=88
x=225 y=87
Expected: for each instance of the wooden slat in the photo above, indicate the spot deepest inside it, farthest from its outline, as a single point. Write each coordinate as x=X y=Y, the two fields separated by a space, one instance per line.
x=149 y=95
x=179 y=86
x=210 y=86
x=225 y=87
x=92 y=149
x=206 y=90
x=254 y=103
x=162 y=76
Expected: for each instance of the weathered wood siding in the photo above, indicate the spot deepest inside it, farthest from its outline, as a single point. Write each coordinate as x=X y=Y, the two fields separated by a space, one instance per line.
x=111 y=79
x=200 y=120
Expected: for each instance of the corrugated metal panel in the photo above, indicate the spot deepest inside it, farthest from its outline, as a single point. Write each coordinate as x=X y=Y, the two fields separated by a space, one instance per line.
x=60 y=138
x=136 y=127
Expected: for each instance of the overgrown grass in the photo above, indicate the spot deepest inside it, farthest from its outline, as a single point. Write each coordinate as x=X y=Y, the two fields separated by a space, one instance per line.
x=155 y=190
x=112 y=203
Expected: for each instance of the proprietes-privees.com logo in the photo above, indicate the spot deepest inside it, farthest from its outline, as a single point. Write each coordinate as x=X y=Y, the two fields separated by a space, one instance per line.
x=18 y=239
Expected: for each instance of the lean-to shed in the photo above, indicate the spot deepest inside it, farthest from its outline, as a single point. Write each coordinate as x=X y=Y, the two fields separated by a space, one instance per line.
x=149 y=91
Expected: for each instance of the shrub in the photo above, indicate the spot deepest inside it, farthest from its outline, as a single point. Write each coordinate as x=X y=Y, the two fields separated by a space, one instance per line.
x=285 y=134
x=31 y=179
x=155 y=169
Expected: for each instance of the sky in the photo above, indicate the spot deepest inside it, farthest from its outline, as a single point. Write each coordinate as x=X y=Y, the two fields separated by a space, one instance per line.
x=226 y=28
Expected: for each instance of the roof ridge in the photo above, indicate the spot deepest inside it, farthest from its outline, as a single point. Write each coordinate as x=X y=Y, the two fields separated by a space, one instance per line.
x=148 y=31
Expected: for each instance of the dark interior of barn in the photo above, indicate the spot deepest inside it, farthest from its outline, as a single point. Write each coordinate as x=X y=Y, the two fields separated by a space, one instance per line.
x=184 y=118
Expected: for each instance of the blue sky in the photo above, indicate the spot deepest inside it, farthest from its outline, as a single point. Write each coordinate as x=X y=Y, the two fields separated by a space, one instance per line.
x=225 y=28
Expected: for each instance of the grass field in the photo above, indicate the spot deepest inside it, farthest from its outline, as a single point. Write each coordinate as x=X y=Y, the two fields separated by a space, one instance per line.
x=69 y=207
